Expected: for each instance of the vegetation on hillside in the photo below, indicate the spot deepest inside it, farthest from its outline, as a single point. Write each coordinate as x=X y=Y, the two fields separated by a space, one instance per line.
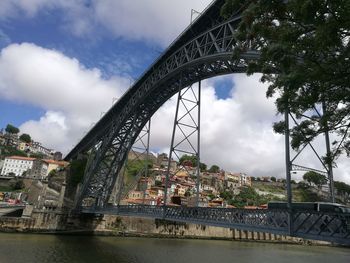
x=10 y=151
x=11 y=129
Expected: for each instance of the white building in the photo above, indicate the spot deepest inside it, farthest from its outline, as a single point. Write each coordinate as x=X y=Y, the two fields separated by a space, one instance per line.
x=16 y=165
x=246 y=180
x=36 y=147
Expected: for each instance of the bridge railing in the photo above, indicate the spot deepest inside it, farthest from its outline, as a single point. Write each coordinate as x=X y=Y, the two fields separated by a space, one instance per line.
x=319 y=225
x=333 y=227
x=255 y=220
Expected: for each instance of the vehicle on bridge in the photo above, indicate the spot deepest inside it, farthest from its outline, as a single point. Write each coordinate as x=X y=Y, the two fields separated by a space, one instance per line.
x=310 y=206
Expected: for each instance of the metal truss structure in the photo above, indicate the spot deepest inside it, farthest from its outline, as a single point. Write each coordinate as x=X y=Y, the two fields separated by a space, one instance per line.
x=332 y=227
x=291 y=166
x=187 y=124
x=138 y=152
x=202 y=51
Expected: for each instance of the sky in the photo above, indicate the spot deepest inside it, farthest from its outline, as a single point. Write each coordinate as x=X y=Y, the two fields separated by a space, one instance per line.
x=64 y=62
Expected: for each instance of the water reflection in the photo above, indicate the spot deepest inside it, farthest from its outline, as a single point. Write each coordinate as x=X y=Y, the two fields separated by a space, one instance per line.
x=49 y=248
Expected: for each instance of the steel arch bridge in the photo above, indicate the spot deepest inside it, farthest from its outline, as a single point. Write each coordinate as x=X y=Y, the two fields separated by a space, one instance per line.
x=202 y=51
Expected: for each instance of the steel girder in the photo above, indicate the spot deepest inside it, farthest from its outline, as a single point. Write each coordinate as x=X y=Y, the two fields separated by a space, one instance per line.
x=208 y=54
x=331 y=227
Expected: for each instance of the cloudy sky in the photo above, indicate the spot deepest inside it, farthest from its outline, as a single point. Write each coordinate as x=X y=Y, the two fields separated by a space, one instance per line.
x=63 y=63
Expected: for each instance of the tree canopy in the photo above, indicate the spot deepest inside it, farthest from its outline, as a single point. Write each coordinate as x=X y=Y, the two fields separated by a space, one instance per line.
x=304 y=56
x=11 y=129
x=191 y=160
x=214 y=169
x=25 y=138
x=343 y=190
x=315 y=178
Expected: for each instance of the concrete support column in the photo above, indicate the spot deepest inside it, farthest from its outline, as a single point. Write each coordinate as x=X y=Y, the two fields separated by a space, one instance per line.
x=61 y=197
x=42 y=196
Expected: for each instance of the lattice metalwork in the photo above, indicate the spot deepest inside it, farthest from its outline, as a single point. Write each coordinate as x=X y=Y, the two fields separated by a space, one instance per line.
x=187 y=127
x=332 y=227
x=139 y=153
x=206 y=54
x=328 y=170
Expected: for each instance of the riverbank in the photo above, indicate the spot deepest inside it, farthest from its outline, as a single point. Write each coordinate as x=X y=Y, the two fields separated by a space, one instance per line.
x=122 y=226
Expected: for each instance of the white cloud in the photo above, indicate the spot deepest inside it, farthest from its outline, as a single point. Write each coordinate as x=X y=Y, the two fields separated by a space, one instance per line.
x=155 y=21
x=236 y=132
x=72 y=95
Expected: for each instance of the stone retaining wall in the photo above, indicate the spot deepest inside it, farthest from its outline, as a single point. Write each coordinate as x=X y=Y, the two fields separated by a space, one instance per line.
x=51 y=221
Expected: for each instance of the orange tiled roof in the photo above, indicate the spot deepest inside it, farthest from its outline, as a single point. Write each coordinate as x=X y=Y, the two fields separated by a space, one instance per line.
x=251 y=207
x=21 y=158
x=59 y=163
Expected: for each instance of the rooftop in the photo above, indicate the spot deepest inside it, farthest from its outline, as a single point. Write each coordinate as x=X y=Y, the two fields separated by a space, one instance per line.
x=20 y=158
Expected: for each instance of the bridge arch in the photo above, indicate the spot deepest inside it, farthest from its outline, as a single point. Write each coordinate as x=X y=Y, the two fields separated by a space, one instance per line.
x=192 y=57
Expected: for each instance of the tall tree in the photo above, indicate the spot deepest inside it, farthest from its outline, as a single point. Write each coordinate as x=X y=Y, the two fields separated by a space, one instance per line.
x=315 y=178
x=11 y=129
x=304 y=56
x=343 y=190
x=25 y=138
x=214 y=169
x=191 y=160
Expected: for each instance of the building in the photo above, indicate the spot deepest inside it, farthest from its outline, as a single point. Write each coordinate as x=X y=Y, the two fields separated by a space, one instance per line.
x=11 y=140
x=233 y=177
x=38 y=170
x=163 y=161
x=135 y=195
x=54 y=165
x=1 y=164
x=23 y=146
x=57 y=156
x=16 y=165
x=36 y=147
x=2 y=139
x=246 y=180
x=145 y=183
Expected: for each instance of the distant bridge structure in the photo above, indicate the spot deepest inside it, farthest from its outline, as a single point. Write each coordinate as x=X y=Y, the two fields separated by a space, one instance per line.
x=202 y=51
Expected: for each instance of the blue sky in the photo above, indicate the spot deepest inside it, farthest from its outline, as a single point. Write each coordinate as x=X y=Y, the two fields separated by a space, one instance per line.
x=110 y=54
x=63 y=62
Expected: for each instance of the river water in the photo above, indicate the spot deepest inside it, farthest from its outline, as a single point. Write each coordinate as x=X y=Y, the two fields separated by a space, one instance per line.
x=50 y=248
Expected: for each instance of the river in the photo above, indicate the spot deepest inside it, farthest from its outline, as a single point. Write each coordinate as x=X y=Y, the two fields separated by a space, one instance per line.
x=28 y=248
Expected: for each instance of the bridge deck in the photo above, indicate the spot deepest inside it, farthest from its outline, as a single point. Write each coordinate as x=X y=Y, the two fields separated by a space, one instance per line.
x=332 y=227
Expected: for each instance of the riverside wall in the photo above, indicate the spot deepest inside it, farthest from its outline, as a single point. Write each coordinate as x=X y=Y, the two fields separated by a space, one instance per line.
x=147 y=227
x=60 y=223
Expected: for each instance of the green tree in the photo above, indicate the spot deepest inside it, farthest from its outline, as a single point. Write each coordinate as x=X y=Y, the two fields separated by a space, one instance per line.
x=214 y=169
x=11 y=129
x=304 y=56
x=17 y=184
x=77 y=169
x=37 y=155
x=10 y=151
x=191 y=160
x=343 y=190
x=25 y=138
x=226 y=195
x=315 y=178
x=136 y=166
x=273 y=179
